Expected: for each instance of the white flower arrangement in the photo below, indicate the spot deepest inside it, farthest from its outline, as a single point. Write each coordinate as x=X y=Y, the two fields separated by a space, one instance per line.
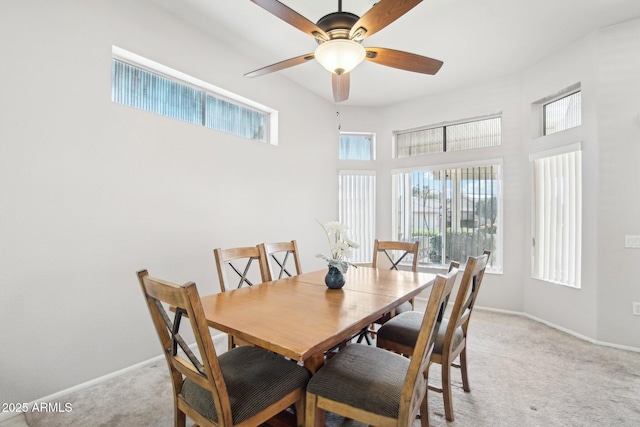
x=340 y=244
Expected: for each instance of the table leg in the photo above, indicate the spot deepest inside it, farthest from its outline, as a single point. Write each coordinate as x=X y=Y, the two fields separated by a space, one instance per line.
x=315 y=362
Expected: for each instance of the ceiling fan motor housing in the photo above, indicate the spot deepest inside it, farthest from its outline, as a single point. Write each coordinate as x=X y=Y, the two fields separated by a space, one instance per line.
x=337 y=24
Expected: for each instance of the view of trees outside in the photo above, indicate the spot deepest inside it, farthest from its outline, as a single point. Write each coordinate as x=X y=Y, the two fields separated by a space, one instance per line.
x=452 y=213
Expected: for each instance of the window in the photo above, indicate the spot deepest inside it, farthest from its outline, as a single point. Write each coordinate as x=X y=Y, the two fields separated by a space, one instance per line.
x=563 y=113
x=452 y=137
x=144 y=84
x=557 y=216
x=356 y=146
x=357 y=210
x=454 y=212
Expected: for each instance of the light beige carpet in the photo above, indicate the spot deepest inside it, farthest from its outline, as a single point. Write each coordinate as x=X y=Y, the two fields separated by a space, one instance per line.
x=522 y=373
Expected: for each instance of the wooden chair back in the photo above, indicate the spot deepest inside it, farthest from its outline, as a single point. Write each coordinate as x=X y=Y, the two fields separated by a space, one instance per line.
x=282 y=259
x=466 y=296
x=416 y=382
x=247 y=265
x=391 y=254
x=202 y=368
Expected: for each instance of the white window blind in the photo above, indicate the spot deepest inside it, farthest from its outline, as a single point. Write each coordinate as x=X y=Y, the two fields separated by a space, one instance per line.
x=357 y=210
x=557 y=218
x=140 y=83
x=563 y=113
x=451 y=137
x=356 y=146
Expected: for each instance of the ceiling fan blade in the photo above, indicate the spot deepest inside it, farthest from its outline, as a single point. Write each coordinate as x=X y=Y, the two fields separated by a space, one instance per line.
x=292 y=17
x=403 y=60
x=281 y=65
x=379 y=16
x=340 y=85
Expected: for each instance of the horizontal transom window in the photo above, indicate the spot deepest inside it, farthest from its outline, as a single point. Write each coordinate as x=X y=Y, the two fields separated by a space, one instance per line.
x=452 y=137
x=141 y=83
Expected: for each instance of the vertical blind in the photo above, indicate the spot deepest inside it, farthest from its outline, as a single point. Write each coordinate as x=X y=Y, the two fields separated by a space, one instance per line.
x=357 y=210
x=356 y=146
x=563 y=113
x=557 y=218
x=140 y=88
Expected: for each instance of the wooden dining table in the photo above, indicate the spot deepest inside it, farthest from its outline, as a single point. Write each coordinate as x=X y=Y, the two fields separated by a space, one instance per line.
x=301 y=318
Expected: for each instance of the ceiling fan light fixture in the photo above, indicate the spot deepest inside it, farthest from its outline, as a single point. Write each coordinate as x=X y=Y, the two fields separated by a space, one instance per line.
x=340 y=55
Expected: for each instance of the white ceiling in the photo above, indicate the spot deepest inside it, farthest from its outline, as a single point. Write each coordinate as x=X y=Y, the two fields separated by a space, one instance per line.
x=478 y=40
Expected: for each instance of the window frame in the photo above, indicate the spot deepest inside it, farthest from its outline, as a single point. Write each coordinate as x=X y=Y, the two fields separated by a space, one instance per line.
x=577 y=231
x=546 y=103
x=365 y=252
x=372 y=153
x=496 y=261
x=150 y=66
x=443 y=126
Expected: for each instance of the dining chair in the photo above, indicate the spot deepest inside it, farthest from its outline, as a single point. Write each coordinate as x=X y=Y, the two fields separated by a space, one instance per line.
x=400 y=333
x=375 y=386
x=390 y=254
x=240 y=261
x=246 y=265
x=282 y=259
x=245 y=386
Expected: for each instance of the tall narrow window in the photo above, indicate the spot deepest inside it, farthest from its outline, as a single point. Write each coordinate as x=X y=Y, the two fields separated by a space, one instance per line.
x=357 y=210
x=557 y=216
x=563 y=113
x=453 y=212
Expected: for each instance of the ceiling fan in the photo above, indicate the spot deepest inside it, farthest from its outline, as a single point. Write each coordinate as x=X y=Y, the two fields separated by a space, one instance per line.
x=339 y=35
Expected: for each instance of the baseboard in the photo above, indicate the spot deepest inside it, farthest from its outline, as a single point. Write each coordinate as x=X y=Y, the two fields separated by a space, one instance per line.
x=562 y=329
x=551 y=325
x=219 y=341
x=5 y=416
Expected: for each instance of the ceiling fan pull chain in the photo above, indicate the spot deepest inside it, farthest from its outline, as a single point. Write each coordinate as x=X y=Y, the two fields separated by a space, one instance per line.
x=338 y=116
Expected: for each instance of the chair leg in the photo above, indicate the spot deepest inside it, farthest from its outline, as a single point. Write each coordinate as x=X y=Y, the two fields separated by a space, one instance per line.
x=311 y=410
x=446 y=390
x=364 y=334
x=180 y=419
x=463 y=370
x=300 y=410
x=230 y=342
x=424 y=410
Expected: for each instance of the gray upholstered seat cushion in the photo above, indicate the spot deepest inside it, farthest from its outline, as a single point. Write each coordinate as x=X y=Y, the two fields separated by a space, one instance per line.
x=404 y=329
x=362 y=376
x=255 y=379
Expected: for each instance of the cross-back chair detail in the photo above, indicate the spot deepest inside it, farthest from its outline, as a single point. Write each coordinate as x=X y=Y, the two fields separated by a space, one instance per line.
x=394 y=252
x=281 y=259
x=212 y=390
x=375 y=386
x=240 y=261
x=399 y=333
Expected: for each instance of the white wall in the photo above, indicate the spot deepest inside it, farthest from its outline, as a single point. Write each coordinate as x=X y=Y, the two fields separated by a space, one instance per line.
x=618 y=207
x=607 y=64
x=574 y=309
x=93 y=191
